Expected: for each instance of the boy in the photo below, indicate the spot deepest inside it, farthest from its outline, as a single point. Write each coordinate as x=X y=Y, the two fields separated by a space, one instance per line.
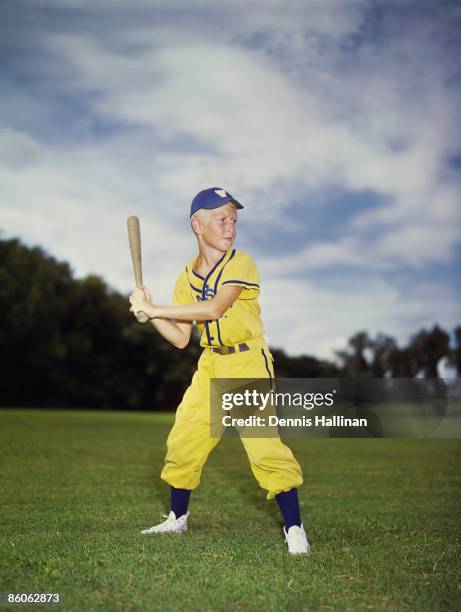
x=219 y=291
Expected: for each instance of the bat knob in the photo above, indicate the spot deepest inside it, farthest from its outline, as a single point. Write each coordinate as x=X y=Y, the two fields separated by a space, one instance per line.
x=142 y=317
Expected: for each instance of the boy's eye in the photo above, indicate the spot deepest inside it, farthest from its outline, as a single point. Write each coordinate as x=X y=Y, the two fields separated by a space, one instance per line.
x=222 y=220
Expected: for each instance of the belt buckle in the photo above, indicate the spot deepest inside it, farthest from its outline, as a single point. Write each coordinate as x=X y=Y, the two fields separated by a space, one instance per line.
x=230 y=350
x=221 y=350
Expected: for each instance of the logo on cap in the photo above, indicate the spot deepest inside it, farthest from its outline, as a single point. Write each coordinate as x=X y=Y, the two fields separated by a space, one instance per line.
x=222 y=193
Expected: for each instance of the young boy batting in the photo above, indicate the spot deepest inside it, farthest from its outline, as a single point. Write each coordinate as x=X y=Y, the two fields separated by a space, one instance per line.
x=218 y=290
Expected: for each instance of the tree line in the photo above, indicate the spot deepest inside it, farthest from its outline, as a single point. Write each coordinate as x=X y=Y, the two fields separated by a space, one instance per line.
x=67 y=342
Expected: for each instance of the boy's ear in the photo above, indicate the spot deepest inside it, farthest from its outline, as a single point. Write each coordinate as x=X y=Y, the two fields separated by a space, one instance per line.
x=196 y=226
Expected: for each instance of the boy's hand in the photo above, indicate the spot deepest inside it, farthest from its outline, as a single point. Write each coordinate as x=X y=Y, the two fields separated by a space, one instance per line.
x=140 y=300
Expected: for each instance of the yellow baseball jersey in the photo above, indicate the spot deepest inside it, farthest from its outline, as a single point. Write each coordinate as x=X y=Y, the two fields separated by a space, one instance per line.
x=242 y=321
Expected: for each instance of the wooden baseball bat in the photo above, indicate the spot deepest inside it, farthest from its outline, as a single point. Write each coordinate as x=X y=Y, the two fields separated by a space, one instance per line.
x=134 y=237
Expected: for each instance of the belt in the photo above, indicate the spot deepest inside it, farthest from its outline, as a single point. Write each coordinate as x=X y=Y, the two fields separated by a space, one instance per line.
x=228 y=350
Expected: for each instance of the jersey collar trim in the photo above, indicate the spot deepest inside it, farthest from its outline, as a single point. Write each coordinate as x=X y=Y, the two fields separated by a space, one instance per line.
x=196 y=273
x=213 y=269
x=193 y=276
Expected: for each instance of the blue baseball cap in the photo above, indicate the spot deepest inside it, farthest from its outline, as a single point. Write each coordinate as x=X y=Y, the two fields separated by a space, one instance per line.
x=213 y=197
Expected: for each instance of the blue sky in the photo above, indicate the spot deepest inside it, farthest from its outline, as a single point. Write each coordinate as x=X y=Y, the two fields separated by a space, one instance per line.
x=336 y=124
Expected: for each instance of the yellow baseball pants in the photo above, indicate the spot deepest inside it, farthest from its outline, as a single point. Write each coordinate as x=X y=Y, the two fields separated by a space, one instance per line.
x=190 y=442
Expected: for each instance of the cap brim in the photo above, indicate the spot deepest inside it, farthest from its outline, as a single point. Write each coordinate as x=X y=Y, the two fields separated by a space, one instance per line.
x=237 y=204
x=226 y=201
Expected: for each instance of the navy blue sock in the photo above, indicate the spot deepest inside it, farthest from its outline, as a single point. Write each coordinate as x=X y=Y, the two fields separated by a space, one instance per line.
x=289 y=505
x=180 y=501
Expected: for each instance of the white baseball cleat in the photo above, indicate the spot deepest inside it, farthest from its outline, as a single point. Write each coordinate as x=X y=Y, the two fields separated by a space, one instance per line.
x=297 y=540
x=171 y=525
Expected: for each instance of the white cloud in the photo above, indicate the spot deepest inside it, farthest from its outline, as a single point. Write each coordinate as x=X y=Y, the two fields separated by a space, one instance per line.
x=76 y=206
x=302 y=317
x=259 y=127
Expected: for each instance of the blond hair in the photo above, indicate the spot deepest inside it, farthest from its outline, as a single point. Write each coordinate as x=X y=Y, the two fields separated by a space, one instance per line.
x=199 y=215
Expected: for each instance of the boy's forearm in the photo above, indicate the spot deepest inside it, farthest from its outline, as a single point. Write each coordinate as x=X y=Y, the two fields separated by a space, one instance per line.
x=171 y=332
x=207 y=310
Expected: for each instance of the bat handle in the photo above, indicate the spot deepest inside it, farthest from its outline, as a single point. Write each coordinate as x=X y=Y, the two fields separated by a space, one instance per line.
x=142 y=317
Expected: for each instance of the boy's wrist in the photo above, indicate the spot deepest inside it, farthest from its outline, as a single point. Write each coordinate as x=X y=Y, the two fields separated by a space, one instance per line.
x=152 y=311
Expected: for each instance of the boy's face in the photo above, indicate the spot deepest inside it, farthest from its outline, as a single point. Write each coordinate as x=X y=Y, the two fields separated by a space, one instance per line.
x=219 y=227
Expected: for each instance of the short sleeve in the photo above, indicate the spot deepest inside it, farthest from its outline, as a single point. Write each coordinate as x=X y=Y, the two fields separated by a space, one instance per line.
x=241 y=270
x=182 y=294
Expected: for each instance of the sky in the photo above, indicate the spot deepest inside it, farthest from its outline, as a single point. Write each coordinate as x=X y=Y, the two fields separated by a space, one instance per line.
x=336 y=124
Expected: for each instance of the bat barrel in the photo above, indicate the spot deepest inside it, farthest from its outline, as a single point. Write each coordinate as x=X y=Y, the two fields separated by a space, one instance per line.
x=134 y=237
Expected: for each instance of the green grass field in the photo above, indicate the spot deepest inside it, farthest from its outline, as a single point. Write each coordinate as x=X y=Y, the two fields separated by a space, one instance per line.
x=382 y=516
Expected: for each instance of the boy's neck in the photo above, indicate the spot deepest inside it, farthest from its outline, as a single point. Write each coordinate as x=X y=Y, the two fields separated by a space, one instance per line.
x=208 y=258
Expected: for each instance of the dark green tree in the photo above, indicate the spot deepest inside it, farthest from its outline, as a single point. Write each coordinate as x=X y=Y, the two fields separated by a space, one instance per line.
x=69 y=342
x=427 y=348
x=353 y=358
x=455 y=354
x=382 y=348
x=302 y=366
